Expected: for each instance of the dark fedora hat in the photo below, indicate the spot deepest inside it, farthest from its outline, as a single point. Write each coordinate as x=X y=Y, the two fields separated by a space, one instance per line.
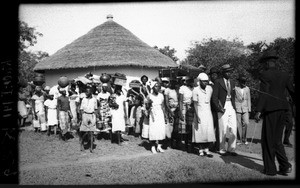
x=226 y=68
x=242 y=77
x=270 y=54
x=213 y=70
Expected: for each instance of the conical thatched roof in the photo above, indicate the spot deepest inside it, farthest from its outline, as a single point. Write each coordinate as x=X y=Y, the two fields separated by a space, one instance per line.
x=108 y=44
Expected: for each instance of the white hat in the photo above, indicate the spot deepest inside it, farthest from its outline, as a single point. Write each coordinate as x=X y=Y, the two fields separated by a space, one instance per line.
x=202 y=76
x=166 y=79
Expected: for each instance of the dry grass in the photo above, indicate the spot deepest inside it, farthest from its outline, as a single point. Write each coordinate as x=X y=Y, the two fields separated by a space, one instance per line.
x=108 y=44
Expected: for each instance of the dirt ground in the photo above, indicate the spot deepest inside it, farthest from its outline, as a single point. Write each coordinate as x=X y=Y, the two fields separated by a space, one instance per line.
x=46 y=160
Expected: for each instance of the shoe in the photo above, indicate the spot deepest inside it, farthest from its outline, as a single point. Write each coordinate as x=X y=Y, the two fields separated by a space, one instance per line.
x=223 y=153
x=232 y=154
x=238 y=143
x=285 y=172
x=159 y=149
x=209 y=155
x=201 y=153
x=246 y=143
x=153 y=150
x=264 y=172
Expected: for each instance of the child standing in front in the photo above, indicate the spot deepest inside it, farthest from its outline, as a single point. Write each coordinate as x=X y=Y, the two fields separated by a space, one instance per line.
x=51 y=113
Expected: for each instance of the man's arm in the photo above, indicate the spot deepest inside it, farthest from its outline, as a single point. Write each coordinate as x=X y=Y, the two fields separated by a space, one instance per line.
x=215 y=99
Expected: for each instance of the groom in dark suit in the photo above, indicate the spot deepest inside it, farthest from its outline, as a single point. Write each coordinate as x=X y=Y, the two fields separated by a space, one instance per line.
x=223 y=99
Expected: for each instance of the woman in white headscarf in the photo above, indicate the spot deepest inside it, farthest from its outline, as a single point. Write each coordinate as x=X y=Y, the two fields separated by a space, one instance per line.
x=157 y=130
x=203 y=127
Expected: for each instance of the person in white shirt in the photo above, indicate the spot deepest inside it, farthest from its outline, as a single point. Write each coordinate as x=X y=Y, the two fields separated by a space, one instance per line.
x=88 y=111
x=51 y=113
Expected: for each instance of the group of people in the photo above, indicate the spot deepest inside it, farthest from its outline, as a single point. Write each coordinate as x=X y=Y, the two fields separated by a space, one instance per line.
x=207 y=113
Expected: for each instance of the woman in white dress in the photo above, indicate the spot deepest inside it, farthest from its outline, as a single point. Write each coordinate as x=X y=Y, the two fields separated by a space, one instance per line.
x=157 y=130
x=38 y=109
x=118 y=113
x=51 y=113
x=74 y=106
x=203 y=127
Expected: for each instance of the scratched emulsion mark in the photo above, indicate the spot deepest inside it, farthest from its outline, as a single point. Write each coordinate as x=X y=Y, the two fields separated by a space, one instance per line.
x=8 y=126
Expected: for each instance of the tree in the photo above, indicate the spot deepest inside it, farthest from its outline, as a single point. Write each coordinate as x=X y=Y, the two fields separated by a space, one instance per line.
x=28 y=36
x=170 y=52
x=214 y=52
x=27 y=60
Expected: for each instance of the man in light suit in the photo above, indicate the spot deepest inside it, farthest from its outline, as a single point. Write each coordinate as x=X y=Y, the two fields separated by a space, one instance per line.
x=223 y=99
x=243 y=107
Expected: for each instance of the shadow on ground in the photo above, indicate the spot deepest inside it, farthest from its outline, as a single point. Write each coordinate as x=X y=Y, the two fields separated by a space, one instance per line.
x=245 y=161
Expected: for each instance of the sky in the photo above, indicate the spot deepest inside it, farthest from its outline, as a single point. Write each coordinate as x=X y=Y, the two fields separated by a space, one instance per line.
x=174 y=24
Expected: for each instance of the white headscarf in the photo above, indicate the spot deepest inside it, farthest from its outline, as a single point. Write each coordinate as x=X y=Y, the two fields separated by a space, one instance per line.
x=202 y=76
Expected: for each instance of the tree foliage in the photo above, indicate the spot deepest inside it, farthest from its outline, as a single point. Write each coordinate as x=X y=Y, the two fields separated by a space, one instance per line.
x=244 y=59
x=170 y=52
x=213 y=52
x=27 y=60
x=28 y=36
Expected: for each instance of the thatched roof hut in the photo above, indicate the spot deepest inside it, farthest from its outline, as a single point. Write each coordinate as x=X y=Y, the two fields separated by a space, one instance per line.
x=108 y=45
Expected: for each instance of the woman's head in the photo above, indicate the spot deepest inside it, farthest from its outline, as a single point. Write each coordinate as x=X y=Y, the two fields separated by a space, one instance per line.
x=118 y=89
x=203 y=80
x=144 y=79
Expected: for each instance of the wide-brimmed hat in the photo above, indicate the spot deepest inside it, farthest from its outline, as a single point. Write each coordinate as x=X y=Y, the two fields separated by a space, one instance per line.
x=213 y=70
x=242 y=77
x=226 y=68
x=271 y=54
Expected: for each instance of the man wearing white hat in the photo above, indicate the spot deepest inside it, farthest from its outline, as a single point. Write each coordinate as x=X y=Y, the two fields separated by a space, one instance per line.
x=203 y=127
x=223 y=99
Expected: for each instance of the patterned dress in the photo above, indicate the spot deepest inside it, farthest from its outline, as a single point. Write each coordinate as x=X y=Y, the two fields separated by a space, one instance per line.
x=104 y=110
x=185 y=125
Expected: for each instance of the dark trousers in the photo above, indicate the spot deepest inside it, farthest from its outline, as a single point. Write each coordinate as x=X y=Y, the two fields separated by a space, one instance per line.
x=271 y=141
x=216 y=145
x=288 y=126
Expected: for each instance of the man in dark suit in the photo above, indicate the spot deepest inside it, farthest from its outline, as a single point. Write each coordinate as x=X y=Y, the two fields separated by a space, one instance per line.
x=272 y=105
x=223 y=99
x=214 y=74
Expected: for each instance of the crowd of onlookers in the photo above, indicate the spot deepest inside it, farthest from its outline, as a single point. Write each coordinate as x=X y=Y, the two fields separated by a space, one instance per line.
x=209 y=112
x=205 y=112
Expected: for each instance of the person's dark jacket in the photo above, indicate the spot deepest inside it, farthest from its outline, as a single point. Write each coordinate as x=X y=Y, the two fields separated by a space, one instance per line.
x=220 y=93
x=274 y=83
